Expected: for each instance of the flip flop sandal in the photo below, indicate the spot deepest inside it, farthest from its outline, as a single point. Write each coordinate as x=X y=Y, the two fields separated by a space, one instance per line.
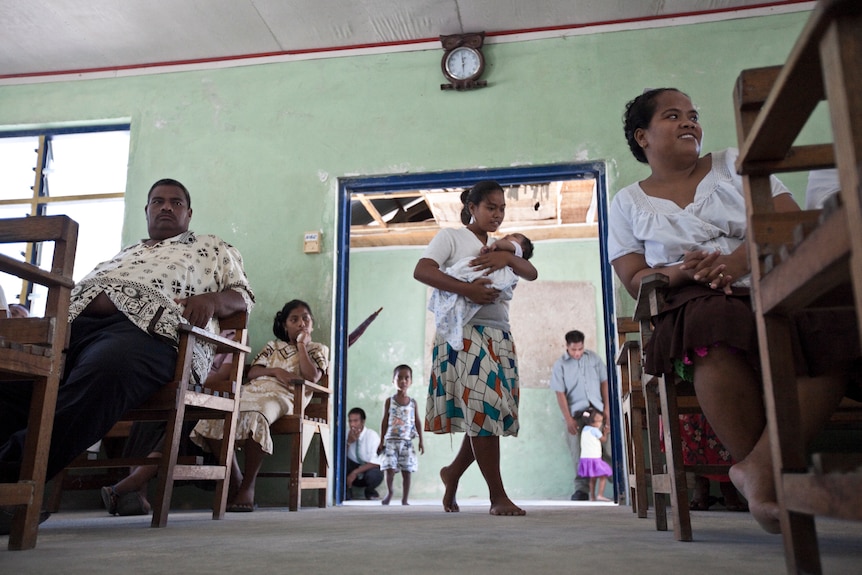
x=110 y=498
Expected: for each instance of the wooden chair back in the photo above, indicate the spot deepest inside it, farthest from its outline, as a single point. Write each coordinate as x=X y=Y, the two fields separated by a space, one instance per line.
x=32 y=349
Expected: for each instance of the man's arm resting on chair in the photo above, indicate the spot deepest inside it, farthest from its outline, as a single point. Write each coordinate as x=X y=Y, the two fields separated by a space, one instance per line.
x=199 y=309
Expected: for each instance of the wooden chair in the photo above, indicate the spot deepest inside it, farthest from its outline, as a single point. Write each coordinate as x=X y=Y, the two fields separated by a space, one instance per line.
x=303 y=426
x=797 y=265
x=634 y=414
x=32 y=348
x=178 y=401
x=666 y=397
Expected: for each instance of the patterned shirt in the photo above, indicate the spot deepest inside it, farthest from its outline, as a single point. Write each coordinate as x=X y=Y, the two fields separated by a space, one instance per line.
x=143 y=281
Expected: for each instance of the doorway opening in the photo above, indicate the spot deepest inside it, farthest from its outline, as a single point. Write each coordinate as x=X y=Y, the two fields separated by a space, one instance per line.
x=408 y=209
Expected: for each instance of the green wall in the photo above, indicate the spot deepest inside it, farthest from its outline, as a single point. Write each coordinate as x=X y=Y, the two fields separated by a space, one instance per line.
x=261 y=148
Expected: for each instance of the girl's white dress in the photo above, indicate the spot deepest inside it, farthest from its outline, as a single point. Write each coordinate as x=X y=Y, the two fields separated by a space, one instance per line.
x=264 y=399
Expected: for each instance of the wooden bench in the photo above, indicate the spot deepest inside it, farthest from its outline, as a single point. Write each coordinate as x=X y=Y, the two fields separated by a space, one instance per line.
x=821 y=265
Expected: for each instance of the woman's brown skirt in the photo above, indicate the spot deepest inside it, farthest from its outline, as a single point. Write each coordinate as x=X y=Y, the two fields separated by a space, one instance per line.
x=696 y=316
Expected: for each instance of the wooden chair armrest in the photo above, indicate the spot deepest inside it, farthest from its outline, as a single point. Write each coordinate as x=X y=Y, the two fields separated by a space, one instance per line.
x=316 y=387
x=650 y=296
x=33 y=273
x=223 y=344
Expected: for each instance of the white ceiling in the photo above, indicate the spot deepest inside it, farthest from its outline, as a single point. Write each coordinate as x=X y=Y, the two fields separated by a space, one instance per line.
x=51 y=36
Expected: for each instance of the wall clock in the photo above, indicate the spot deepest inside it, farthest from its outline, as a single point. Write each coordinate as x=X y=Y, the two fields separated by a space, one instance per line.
x=463 y=62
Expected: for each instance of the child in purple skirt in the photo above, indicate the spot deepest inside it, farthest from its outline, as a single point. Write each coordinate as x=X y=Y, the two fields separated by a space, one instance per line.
x=592 y=465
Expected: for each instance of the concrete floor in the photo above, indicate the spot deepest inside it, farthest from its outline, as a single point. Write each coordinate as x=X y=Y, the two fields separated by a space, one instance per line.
x=365 y=537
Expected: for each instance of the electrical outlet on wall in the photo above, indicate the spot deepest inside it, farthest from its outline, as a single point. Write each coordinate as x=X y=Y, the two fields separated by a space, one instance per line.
x=311 y=243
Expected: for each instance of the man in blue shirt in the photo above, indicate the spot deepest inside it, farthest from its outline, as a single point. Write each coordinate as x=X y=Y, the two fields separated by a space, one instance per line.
x=580 y=380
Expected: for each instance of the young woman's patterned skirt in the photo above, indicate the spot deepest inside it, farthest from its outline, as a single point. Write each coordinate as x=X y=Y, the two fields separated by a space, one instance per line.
x=474 y=390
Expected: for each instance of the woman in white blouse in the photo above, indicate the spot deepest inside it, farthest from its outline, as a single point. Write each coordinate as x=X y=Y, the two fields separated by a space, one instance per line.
x=687 y=219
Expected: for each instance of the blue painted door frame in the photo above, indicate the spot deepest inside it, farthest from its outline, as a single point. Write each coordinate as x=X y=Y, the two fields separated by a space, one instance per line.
x=462 y=179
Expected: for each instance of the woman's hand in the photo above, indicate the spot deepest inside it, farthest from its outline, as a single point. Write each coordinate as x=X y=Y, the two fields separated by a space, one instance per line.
x=498 y=259
x=491 y=261
x=715 y=269
x=304 y=336
x=479 y=291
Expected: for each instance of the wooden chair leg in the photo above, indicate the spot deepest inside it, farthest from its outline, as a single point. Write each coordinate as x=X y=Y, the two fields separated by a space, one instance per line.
x=321 y=472
x=165 y=489
x=294 y=491
x=673 y=458
x=660 y=490
x=798 y=530
x=627 y=438
x=225 y=458
x=640 y=501
x=25 y=523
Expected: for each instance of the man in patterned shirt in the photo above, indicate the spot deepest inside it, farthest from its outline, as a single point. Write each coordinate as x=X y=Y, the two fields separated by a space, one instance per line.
x=124 y=317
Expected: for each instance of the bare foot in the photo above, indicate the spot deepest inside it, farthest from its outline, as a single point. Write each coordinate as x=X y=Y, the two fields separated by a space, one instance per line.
x=404 y=502
x=451 y=485
x=602 y=498
x=387 y=499
x=756 y=485
x=506 y=507
x=244 y=499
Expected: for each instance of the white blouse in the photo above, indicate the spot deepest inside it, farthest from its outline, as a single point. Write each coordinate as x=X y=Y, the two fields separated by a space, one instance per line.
x=662 y=231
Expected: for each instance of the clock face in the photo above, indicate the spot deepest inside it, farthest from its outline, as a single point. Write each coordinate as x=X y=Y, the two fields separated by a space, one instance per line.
x=463 y=63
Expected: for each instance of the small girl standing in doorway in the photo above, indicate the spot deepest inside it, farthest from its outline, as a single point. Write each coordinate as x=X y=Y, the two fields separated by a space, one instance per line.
x=399 y=426
x=592 y=465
